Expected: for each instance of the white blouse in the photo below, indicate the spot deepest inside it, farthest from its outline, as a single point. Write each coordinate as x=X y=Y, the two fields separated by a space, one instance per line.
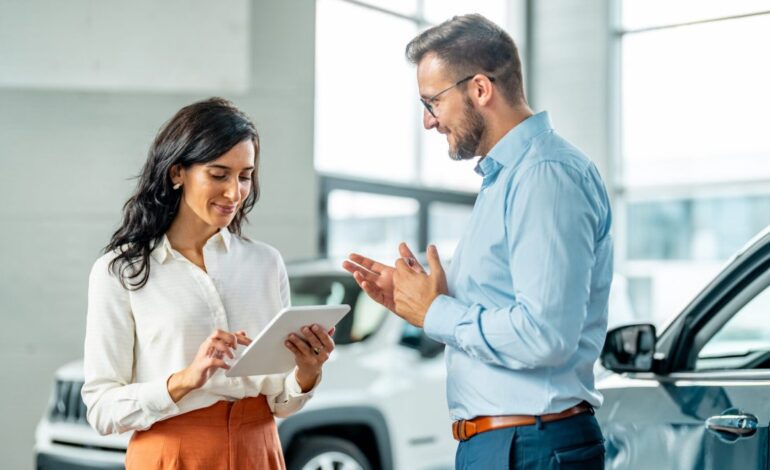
x=136 y=339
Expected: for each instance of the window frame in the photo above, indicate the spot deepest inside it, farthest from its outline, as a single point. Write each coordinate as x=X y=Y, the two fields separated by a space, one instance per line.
x=424 y=197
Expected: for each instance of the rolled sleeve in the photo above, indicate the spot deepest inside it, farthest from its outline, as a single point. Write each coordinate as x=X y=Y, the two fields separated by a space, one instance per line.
x=291 y=399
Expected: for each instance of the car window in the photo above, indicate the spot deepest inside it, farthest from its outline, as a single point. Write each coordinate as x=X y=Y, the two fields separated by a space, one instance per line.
x=743 y=342
x=368 y=317
x=365 y=316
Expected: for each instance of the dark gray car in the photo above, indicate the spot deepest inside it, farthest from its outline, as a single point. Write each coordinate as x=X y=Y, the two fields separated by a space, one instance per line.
x=696 y=396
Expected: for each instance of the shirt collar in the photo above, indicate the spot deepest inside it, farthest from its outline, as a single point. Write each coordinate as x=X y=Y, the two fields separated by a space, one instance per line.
x=162 y=250
x=225 y=235
x=509 y=150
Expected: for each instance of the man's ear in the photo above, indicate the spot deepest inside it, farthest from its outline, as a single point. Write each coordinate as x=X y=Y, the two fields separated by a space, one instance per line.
x=481 y=89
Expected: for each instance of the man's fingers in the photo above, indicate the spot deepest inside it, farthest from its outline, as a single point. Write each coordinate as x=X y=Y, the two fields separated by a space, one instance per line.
x=371 y=290
x=434 y=261
x=402 y=268
x=352 y=267
x=367 y=263
x=408 y=256
x=365 y=275
x=374 y=292
x=404 y=250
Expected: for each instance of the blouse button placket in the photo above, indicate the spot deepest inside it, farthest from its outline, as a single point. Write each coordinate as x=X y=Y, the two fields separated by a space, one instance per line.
x=210 y=293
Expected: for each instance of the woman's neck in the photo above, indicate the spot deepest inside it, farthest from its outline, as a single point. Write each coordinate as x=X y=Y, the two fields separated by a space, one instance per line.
x=188 y=231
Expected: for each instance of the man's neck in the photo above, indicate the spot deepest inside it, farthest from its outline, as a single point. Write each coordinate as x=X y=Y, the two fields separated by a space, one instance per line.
x=498 y=126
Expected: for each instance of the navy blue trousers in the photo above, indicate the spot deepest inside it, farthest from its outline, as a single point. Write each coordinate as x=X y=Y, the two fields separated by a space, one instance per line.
x=572 y=443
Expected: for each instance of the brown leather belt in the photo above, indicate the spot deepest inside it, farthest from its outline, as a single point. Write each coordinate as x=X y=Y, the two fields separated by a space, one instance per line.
x=463 y=430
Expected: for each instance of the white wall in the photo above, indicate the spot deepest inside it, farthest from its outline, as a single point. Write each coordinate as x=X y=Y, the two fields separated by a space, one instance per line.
x=571 y=73
x=68 y=147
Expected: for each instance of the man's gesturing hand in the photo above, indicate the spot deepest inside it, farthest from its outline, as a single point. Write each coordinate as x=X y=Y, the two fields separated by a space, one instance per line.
x=414 y=291
x=375 y=278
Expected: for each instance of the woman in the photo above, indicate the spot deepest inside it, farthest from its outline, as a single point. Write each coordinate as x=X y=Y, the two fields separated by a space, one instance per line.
x=175 y=295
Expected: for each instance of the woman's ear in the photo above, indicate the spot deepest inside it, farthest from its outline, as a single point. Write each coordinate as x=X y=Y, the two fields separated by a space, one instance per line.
x=175 y=173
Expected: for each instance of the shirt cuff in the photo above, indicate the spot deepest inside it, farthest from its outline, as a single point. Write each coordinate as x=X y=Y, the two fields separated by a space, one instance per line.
x=155 y=398
x=293 y=388
x=442 y=317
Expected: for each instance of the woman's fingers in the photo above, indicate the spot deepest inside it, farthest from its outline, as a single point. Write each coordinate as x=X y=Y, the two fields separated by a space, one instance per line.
x=222 y=348
x=324 y=338
x=214 y=363
x=312 y=338
x=242 y=338
x=299 y=345
x=224 y=336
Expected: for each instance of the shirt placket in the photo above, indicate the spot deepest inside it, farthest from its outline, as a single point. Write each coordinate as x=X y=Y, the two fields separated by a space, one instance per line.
x=208 y=283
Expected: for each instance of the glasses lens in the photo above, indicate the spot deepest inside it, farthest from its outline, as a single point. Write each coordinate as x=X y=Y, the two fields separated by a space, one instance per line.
x=428 y=107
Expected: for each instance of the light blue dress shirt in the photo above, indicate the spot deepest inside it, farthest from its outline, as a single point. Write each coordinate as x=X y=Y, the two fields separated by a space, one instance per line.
x=526 y=314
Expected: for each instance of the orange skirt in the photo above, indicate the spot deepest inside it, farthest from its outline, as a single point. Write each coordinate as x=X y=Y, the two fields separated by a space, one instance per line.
x=225 y=436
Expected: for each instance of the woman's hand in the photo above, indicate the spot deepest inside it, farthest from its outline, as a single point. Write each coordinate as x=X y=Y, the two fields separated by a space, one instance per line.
x=310 y=353
x=210 y=357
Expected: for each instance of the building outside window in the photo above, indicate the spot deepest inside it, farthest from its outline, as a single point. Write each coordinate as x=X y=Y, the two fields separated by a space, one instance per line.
x=693 y=179
x=368 y=127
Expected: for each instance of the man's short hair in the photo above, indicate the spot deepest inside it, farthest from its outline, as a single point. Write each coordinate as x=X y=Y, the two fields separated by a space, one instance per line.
x=472 y=44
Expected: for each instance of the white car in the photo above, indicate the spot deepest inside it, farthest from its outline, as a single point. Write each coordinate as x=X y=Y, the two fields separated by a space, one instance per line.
x=381 y=404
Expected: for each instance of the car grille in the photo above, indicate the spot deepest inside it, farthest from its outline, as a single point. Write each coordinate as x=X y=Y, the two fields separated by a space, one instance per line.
x=68 y=405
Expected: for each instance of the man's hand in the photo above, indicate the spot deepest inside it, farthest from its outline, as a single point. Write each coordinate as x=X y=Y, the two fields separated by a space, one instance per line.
x=375 y=278
x=414 y=290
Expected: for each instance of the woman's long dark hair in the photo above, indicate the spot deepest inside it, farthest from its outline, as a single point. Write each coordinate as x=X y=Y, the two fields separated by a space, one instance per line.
x=198 y=133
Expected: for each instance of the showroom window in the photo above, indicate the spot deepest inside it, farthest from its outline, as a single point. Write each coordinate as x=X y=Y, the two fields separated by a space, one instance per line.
x=384 y=177
x=693 y=177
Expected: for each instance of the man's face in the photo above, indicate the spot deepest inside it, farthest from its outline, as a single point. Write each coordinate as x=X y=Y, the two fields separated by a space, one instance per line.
x=455 y=114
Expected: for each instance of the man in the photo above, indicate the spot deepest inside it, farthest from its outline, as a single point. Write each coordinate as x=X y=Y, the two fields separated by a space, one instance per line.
x=523 y=307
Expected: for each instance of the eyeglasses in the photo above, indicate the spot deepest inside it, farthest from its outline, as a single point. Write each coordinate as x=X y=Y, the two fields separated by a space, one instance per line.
x=428 y=102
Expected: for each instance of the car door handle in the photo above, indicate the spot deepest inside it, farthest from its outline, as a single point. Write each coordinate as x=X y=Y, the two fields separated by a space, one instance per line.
x=741 y=425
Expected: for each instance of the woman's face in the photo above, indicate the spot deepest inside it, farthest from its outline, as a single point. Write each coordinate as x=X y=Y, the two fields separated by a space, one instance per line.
x=214 y=191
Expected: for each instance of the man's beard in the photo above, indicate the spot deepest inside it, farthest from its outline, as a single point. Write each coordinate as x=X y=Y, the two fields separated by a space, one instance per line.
x=469 y=135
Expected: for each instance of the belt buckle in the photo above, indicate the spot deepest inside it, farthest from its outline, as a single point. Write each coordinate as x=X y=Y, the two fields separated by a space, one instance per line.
x=461 y=431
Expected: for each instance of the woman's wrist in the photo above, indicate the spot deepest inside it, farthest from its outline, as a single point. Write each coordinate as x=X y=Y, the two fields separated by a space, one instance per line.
x=177 y=386
x=306 y=378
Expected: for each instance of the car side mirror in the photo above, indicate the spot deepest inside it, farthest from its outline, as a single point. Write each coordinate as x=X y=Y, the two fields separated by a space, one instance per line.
x=629 y=348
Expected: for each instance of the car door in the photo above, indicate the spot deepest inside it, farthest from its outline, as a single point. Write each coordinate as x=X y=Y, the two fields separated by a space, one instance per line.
x=706 y=405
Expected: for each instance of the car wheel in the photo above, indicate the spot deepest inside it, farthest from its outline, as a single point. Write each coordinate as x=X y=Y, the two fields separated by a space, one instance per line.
x=327 y=453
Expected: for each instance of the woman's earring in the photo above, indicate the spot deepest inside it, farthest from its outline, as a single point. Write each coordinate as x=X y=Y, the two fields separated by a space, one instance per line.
x=177 y=186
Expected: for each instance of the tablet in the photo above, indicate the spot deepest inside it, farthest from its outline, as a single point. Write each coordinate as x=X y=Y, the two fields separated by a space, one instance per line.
x=267 y=353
